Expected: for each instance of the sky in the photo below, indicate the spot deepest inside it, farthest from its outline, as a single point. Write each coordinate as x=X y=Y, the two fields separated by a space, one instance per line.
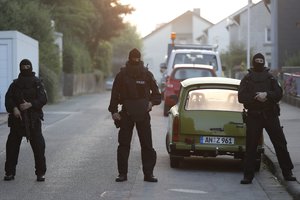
x=150 y=13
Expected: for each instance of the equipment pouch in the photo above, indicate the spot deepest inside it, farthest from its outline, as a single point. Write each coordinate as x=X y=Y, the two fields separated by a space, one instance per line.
x=10 y=120
x=244 y=115
x=277 y=109
x=136 y=108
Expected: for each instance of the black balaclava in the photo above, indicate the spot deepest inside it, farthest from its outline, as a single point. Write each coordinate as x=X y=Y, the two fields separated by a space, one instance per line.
x=258 y=62
x=134 y=54
x=26 y=72
x=134 y=64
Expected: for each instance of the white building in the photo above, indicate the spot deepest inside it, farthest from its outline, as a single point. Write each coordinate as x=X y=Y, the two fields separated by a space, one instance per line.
x=260 y=30
x=14 y=47
x=187 y=27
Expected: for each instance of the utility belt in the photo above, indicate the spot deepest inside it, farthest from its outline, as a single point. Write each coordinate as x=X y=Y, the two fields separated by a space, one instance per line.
x=265 y=113
x=31 y=116
x=137 y=109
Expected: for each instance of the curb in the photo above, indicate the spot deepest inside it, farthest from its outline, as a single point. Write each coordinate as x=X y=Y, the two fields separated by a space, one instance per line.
x=270 y=159
x=3 y=118
x=291 y=100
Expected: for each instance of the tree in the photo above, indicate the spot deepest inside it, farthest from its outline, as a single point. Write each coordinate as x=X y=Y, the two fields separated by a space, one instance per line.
x=234 y=59
x=127 y=40
x=92 y=22
x=33 y=19
x=293 y=60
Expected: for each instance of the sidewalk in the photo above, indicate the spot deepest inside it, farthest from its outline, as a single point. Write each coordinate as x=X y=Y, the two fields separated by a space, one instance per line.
x=3 y=118
x=290 y=120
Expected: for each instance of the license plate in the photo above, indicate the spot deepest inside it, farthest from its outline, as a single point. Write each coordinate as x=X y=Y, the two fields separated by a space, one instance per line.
x=216 y=140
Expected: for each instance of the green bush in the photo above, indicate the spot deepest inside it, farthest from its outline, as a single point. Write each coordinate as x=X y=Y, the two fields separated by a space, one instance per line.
x=51 y=82
x=76 y=57
x=293 y=60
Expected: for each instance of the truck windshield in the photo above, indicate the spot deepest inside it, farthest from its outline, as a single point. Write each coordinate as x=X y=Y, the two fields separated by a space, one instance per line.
x=196 y=58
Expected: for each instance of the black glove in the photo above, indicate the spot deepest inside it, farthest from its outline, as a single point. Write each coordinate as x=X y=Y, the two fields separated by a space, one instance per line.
x=117 y=123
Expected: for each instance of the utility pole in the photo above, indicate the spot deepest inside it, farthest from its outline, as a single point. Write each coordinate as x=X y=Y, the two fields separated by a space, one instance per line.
x=248 y=35
x=274 y=36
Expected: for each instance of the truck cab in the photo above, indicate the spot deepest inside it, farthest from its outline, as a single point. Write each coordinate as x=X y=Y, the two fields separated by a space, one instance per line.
x=194 y=54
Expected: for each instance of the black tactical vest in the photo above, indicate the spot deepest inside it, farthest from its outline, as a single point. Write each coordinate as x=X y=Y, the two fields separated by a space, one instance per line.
x=260 y=82
x=25 y=88
x=135 y=86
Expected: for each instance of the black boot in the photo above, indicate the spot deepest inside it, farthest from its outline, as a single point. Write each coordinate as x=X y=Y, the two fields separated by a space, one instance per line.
x=9 y=177
x=40 y=178
x=246 y=180
x=150 y=178
x=288 y=176
x=121 y=178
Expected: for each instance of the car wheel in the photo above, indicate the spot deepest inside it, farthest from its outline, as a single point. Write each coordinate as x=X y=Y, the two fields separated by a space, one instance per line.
x=258 y=162
x=238 y=155
x=174 y=162
x=257 y=165
x=166 y=110
x=167 y=143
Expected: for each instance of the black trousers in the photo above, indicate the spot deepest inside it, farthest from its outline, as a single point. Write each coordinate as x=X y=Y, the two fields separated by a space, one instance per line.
x=148 y=154
x=37 y=143
x=255 y=123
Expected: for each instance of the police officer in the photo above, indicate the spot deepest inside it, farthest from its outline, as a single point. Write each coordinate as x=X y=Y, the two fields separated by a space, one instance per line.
x=136 y=90
x=24 y=101
x=260 y=93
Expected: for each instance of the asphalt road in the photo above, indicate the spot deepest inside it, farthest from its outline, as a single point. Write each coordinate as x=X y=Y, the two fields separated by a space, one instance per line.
x=81 y=143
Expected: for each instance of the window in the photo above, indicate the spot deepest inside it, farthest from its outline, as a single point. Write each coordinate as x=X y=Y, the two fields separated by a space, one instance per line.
x=268 y=35
x=213 y=99
x=196 y=58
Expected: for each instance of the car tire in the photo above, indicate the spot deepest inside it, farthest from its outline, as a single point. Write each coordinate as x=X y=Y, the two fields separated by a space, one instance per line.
x=174 y=161
x=258 y=162
x=166 y=110
x=167 y=143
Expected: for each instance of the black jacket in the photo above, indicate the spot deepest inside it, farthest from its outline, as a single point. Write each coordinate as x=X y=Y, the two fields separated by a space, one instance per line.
x=133 y=82
x=255 y=82
x=30 y=89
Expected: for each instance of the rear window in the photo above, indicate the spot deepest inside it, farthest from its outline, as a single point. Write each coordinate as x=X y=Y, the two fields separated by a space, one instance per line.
x=196 y=58
x=182 y=74
x=213 y=99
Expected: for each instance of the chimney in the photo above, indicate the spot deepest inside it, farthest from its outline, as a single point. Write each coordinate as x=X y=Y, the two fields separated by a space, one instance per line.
x=197 y=11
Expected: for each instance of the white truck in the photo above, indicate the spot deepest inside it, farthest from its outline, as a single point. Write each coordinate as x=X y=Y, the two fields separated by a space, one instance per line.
x=189 y=54
x=194 y=54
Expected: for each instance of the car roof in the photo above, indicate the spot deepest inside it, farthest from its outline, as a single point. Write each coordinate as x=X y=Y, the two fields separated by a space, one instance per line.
x=193 y=65
x=210 y=80
x=195 y=51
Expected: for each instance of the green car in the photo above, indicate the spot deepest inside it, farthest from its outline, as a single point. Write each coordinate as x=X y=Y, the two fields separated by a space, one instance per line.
x=207 y=121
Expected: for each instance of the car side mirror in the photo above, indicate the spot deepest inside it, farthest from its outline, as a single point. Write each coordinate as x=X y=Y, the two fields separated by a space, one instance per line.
x=163 y=67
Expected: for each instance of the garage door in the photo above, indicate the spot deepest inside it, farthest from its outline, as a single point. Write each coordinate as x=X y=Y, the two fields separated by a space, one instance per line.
x=5 y=70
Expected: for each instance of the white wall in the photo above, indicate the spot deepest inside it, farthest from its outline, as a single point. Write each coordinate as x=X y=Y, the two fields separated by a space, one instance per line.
x=155 y=49
x=260 y=19
x=15 y=46
x=155 y=46
x=199 y=26
x=218 y=34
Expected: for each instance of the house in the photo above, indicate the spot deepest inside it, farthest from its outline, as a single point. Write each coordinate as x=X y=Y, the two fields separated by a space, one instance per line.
x=187 y=27
x=274 y=30
x=218 y=33
x=286 y=26
x=260 y=30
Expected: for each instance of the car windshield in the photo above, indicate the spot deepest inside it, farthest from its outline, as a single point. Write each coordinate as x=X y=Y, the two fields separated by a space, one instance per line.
x=196 y=58
x=213 y=99
x=185 y=73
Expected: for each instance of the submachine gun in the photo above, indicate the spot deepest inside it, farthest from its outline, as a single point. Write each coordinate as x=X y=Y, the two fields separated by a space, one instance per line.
x=26 y=120
x=26 y=124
